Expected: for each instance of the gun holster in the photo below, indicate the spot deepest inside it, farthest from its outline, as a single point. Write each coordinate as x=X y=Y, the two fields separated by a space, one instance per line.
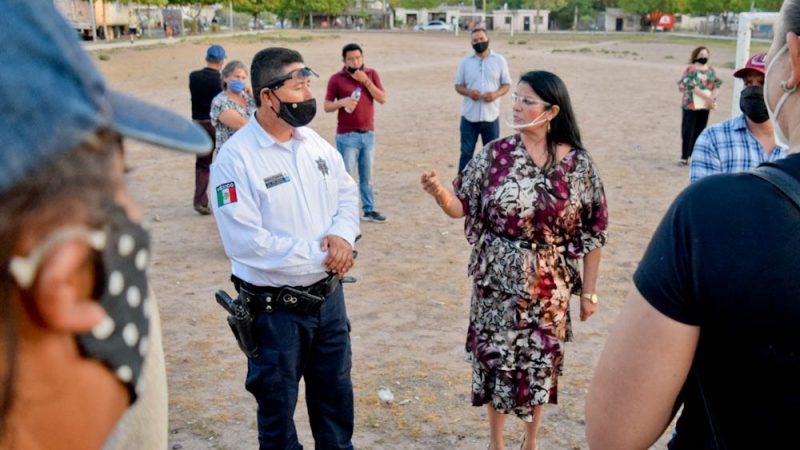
x=241 y=322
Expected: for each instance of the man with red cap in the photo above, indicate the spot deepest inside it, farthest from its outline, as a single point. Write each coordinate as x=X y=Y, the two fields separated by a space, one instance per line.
x=742 y=143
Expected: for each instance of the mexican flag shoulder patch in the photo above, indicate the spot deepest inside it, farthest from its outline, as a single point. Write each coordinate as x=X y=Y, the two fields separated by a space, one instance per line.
x=226 y=194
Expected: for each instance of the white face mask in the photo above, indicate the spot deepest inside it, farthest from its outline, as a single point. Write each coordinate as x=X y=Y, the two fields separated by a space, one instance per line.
x=780 y=138
x=515 y=126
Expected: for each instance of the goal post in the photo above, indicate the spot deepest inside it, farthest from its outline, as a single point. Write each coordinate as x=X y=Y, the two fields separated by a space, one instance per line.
x=747 y=21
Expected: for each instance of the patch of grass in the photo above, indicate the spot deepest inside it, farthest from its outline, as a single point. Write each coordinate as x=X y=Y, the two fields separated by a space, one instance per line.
x=669 y=57
x=729 y=65
x=103 y=56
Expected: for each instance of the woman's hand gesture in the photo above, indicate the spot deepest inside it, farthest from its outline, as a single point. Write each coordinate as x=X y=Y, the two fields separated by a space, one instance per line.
x=431 y=184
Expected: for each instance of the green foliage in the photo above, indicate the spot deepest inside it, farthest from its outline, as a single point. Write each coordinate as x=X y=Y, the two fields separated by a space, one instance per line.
x=703 y=7
x=643 y=7
x=415 y=4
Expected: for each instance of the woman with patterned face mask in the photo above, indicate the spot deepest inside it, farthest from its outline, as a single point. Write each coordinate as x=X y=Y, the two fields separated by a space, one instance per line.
x=534 y=206
x=700 y=87
x=231 y=108
x=700 y=332
x=81 y=361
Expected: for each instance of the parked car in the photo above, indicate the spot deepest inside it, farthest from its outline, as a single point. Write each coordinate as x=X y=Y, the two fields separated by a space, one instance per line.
x=435 y=25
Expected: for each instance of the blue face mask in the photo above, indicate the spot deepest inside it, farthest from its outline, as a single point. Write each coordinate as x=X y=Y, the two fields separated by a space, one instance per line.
x=236 y=86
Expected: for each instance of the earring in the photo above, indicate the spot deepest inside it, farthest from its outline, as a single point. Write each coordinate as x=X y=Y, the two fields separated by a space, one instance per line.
x=548 y=127
x=786 y=88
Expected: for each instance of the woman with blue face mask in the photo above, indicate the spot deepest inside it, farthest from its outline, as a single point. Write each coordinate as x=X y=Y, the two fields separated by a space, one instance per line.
x=232 y=107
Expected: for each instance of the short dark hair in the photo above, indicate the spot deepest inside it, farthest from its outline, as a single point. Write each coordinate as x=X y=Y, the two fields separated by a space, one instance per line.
x=269 y=64
x=696 y=52
x=351 y=48
x=791 y=20
x=563 y=128
x=479 y=30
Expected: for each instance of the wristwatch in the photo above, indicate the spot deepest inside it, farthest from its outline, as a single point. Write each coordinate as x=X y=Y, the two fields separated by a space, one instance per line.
x=591 y=297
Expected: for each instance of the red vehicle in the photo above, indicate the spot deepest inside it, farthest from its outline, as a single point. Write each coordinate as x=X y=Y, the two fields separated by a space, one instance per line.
x=660 y=21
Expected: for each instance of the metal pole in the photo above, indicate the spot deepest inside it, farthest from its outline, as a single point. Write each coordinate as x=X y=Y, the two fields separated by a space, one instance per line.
x=93 y=20
x=230 y=13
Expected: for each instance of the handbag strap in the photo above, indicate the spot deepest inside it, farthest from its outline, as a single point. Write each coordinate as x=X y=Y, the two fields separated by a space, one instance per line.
x=787 y=184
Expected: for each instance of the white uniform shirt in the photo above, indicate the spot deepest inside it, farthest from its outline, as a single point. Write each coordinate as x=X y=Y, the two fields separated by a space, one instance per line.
x=275 y=202
x=485 y=75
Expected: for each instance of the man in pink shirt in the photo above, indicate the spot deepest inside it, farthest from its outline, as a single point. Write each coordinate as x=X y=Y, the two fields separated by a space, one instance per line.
x=351 y=92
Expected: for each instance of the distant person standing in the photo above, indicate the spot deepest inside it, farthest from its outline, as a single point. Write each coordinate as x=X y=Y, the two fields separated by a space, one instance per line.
x=482 y=78
x=700 y=87
x=744 y=142
x=204 y=85
x=231 y=108
x=133 y=26
x=351 y=92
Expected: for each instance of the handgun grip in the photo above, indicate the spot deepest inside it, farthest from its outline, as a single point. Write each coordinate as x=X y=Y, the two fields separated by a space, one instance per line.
x=225 y=301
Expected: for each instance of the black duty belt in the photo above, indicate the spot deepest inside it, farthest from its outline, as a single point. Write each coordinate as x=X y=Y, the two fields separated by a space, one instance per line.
x=301 y=299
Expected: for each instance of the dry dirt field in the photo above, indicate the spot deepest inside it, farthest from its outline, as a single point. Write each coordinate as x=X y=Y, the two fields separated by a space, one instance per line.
x=409 y=308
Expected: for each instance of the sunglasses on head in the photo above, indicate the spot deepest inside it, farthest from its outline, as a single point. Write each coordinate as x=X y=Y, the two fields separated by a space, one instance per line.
x=301 y=74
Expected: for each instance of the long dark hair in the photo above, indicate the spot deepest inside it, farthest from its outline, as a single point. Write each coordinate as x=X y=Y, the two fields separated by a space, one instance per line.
x=563 y=127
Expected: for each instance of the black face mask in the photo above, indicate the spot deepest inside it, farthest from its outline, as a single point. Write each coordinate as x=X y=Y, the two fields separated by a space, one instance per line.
x=480 y=47
x=354 y=69
x=297 y=114
x=751 y=102
x=701 y=60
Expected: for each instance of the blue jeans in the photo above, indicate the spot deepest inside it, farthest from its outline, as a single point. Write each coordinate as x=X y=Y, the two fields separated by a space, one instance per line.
x=316 y=348
x=488 y=131
x=359 y=149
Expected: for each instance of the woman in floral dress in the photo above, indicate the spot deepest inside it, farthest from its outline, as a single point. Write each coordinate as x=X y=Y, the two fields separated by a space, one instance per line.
x=533 y=205
x=231 y=108
x=700 y=87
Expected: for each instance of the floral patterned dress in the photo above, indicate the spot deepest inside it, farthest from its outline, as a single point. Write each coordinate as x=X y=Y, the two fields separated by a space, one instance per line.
x=519 y=317
x=222 y=103
x=693 y=77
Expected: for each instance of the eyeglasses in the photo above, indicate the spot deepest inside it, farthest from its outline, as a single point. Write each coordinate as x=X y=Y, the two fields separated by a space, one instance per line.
x=301 y=74
x=527 y=101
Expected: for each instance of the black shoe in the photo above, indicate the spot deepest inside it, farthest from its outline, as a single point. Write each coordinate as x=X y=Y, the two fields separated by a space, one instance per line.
x=374 y=216
x=202 y=210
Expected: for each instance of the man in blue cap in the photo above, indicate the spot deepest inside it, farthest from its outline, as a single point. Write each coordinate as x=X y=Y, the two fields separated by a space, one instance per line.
x=204 y=85
x=81 y=361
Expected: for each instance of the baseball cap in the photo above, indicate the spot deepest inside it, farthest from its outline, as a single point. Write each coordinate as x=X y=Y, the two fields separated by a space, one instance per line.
x=756 y=62
x=53 y=97
x=215 y=53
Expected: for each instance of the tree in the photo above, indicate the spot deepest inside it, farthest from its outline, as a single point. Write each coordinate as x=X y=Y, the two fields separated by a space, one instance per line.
x=576 y=12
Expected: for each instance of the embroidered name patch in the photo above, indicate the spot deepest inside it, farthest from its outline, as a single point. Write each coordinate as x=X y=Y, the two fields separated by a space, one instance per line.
x=275 y=180
x=226 y=193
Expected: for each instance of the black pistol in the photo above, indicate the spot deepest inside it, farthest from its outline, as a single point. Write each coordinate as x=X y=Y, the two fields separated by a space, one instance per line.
x=241 y=322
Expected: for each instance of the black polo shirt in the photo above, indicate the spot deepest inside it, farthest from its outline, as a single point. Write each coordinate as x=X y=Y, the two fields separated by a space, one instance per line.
x=204 y=85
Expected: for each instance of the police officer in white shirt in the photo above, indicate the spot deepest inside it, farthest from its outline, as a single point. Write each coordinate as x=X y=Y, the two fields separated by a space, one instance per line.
x=287 y=212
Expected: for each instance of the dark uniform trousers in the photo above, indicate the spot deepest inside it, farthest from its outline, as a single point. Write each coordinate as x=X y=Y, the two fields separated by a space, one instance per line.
x=201 y=167
x=317 y=348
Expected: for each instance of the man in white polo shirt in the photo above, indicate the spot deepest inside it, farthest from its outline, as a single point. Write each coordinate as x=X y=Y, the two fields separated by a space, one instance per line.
x=482 y=78
x=287 y=212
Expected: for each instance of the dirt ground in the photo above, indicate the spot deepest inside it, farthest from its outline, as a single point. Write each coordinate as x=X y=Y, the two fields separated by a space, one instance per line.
x=409 y=308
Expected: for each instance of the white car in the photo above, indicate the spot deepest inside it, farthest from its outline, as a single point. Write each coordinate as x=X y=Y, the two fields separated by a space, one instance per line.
x=435 y=25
